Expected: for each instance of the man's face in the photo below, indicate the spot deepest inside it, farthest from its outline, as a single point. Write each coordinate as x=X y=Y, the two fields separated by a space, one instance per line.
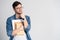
x=18 y=9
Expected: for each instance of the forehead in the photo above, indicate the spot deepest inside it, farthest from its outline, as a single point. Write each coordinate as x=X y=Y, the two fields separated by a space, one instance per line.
x=19 y=5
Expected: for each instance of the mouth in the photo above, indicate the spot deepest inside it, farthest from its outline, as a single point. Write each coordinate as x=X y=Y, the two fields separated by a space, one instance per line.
x=19 y=13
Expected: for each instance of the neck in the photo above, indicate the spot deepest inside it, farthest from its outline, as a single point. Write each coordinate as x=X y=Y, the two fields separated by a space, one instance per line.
x=18 y=15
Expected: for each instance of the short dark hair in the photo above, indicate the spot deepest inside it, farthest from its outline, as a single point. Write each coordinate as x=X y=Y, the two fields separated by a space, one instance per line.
x=15 y=4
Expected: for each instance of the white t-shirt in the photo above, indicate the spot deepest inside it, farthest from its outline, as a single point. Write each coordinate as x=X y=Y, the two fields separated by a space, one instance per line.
x=17 y=24
x=20 y=37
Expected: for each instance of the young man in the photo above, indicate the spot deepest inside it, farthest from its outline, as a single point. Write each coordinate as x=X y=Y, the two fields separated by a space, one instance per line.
x=26 y=25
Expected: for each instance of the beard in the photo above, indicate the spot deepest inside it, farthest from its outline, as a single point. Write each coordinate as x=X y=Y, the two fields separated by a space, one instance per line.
x=19 y=13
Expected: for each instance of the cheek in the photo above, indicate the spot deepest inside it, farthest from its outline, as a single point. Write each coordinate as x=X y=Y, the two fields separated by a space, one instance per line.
x=17 y=9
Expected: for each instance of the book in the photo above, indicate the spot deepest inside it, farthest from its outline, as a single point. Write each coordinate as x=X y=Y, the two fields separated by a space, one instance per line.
x=17 y=24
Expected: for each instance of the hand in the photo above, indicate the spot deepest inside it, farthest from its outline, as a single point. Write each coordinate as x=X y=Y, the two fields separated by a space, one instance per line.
x=23 y=16
x=25 y=21
x=15 y=32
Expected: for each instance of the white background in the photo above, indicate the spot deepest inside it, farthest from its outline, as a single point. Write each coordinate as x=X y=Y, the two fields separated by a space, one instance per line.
x=44 y=14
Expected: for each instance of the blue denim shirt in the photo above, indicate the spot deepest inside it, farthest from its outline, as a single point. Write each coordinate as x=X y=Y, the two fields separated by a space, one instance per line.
x=9 y=27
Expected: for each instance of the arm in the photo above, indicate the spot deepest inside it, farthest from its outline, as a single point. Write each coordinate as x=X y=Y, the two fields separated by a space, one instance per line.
x=9 y=27
x=29 y=24
x=10 y=31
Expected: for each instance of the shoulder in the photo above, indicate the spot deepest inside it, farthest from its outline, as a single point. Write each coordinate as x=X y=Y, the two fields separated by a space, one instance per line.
x=28 y=17
x=10 y=18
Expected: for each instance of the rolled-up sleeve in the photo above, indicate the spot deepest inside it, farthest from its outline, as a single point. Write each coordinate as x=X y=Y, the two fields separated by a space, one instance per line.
x=9 y=27
x=29 y=24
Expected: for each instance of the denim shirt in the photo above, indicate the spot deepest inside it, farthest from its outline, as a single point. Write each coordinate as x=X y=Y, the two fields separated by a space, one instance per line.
x=9 y=27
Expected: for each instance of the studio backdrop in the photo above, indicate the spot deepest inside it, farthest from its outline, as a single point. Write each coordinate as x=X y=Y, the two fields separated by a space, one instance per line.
x=44 y=14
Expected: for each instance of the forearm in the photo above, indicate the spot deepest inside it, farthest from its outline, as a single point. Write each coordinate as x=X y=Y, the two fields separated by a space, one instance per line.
x=25 y=23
